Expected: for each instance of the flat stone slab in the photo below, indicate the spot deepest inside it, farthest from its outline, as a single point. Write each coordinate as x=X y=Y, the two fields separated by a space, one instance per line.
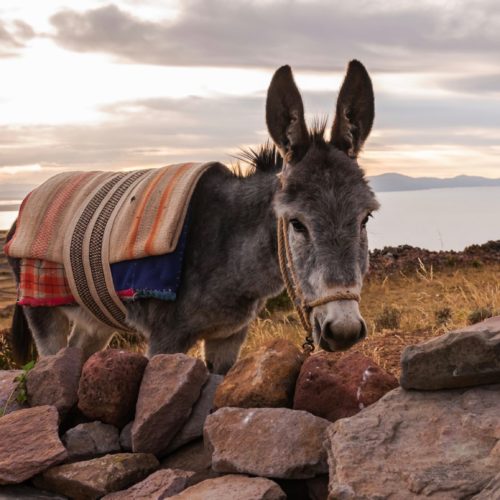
x=233 y=487
x=462 y=358
x=95 y=478
x=193 y=428
x=170 y=387
x=159 y=485
x=54 y=380
x=268 y=442
x=413 y=445
x=29 y=443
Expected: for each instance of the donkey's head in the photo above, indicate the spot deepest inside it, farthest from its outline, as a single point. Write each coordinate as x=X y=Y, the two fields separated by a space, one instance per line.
x=326 y=200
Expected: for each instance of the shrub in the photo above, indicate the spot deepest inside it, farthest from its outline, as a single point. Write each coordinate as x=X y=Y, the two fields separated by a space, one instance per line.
x=388 y=319
x=480 y=314
x=443 y=315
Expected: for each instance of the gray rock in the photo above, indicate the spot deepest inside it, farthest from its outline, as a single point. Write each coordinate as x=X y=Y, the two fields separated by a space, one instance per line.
x=462 y=358
x=54 y=380
x=29 y=443
x=269 y=442
x=409 y=445
x=90 y=440
x=126 y=437
x=8 y=392
x=159 y=485
x=95 y=478
x=232 y=487
x=193 y=457
x=193 y=428
x=171 y=385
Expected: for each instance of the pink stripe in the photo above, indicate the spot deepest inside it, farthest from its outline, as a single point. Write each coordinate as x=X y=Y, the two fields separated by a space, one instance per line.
x=30 y=301
x=49 y=223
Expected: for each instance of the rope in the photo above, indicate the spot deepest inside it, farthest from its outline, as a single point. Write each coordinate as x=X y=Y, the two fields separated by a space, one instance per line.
x=294 y=291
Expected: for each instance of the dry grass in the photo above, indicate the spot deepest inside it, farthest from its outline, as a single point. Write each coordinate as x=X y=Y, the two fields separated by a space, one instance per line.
x=428 y=304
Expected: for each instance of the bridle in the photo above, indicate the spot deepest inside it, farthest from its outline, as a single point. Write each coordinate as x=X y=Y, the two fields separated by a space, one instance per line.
x=302 y=306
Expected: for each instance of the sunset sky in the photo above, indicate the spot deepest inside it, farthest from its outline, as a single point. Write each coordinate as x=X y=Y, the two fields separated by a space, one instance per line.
x=111 y=85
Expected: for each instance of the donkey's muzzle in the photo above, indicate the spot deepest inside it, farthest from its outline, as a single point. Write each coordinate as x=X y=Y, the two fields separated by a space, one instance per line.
x=340 y=336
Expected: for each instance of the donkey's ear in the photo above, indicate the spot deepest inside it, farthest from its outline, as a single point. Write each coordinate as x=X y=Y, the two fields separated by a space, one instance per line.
x=355 y=111
x=285 y=116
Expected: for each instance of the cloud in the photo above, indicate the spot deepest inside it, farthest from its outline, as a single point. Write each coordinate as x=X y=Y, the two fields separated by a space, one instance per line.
x=480 y=85
x=13 y=36
x=314 y=35
x=408 y=136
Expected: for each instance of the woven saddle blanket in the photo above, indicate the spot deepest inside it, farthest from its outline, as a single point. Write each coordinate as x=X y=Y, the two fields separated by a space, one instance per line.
x=83 y=232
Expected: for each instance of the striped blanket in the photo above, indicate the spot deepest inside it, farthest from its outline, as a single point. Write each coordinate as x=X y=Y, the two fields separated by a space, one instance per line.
x=86 y=223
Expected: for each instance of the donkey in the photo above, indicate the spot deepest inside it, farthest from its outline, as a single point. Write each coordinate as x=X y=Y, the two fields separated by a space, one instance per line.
x=231 y=263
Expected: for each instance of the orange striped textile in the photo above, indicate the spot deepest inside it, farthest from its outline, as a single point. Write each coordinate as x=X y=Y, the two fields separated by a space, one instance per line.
x=149 y=220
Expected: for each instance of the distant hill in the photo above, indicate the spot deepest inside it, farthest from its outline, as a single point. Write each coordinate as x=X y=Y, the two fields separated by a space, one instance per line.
x=399 y=182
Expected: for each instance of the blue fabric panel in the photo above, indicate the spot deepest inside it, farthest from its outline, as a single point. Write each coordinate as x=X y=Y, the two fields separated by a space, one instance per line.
x=157 y=276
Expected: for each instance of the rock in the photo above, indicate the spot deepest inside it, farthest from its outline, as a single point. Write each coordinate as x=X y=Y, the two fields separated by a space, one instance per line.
x=159 y=485
x=8 y=392
x=491 y=491
x=24 y=492
x=270 y=442
x=193 y=428
x=193 y=457
x=171 y=385
x=233 y=487
x=99 y=476
x=462 y=358
x=408 y=445
x=126 y=437
x=265 y=378
x=54 y=380
x=91 y=440
x=109 y=386
x=29 y=443
x=334 y=388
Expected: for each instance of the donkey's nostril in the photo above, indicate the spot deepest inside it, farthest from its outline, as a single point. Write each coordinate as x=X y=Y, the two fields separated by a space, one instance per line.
x=342 y=336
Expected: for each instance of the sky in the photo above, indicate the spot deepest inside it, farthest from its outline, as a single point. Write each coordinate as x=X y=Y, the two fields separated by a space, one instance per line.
x=90 y=84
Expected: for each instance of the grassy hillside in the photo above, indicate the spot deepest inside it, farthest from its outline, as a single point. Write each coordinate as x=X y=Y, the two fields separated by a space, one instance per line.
x=410 y=295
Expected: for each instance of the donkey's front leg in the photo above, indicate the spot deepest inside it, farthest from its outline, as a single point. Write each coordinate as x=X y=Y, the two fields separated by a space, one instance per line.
x=221 y=354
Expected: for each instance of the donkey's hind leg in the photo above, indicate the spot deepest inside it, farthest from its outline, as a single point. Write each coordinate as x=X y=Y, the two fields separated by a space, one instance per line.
x=49 y=327
x=89 y=338
x=221 y=354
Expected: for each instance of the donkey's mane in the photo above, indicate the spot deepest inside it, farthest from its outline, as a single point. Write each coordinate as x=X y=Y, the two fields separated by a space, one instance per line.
x=266 y=157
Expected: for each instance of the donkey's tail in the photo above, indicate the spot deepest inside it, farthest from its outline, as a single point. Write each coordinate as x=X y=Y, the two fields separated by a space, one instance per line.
x=21 y=340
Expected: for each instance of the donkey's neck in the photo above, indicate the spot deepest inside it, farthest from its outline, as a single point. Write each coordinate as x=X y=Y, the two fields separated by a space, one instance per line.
x=243 y=225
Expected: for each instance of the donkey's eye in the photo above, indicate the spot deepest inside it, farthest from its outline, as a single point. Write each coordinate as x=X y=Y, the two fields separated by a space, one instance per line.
x=298 y=227
x=365 y=220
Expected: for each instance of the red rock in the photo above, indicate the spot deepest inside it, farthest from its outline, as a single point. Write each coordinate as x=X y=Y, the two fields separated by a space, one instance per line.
x=335 y=388
x=95 y=478
x=54 y=380
x=269 y=442
x=265 y=378
x=29 y=443
x=171 y=385
x=233 y=487
x=159 y=485
x=109 y=386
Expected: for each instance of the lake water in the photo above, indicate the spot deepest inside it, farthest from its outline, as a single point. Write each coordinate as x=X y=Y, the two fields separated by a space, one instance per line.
x=437 y=219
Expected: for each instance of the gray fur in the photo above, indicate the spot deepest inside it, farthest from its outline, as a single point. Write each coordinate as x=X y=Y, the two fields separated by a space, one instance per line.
x=231 y=266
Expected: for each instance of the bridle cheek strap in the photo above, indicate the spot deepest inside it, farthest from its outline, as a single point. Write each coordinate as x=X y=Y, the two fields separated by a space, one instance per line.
x=292 y=286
